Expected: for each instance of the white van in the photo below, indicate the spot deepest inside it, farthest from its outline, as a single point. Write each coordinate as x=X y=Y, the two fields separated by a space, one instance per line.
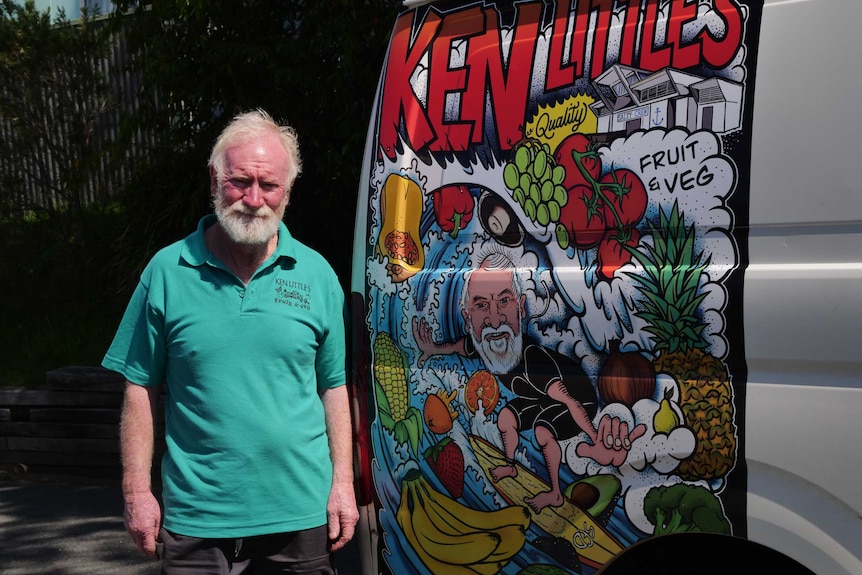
x=607 y=289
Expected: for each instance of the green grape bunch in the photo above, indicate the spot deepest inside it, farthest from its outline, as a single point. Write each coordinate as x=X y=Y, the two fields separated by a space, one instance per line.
x=536 y=182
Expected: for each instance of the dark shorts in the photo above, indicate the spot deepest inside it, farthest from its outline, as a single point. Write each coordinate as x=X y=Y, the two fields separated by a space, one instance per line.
x=539 y=410
x=297 y=552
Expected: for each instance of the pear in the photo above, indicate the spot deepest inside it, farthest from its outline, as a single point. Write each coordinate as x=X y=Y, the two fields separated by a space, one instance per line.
x=665 y=419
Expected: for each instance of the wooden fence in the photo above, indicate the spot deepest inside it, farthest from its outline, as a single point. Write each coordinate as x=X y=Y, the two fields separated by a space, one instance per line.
x=37 y=174
x=70 y=426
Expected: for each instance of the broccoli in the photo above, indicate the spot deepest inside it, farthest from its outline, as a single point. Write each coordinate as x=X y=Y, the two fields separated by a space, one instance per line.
x=683 y=508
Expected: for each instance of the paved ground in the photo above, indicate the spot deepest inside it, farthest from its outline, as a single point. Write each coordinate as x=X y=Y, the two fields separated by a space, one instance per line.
x=52 y=525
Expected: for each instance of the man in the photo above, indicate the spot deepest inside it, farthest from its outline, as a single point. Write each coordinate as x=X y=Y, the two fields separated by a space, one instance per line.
x=245 y=327
x=554 y=397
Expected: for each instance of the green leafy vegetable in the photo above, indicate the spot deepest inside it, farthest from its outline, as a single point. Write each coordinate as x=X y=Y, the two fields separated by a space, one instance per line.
x=683 y=508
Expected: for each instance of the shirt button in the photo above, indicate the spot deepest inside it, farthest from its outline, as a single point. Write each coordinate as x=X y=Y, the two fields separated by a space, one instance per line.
x=242 y=294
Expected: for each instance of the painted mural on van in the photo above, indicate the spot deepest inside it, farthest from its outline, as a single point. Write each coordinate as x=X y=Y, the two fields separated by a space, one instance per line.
x=556 y=238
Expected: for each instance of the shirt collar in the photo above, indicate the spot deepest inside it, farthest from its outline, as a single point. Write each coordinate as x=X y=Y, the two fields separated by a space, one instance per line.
x=196 y=253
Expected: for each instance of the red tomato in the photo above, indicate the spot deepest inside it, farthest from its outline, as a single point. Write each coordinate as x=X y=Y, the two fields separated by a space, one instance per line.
x=573 y=150
x=612 y=255
x=583 y=217
x=627 y=195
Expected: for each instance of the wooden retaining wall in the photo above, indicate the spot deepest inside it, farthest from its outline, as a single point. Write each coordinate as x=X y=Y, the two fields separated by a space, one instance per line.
x=70 y=426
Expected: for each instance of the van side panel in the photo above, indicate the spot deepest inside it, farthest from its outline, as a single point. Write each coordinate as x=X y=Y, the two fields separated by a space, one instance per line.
x=582 y=278
x=803 y=303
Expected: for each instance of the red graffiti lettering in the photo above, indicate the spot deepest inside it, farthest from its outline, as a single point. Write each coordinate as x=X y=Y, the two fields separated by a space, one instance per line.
x=719 y=52
x=446 y=82
x=564 y=68
x=653 y=57
x=399 y=100
x=629 y=41
x=468 y=71
x=508 y=89
x=681 y=13
x=600 y=42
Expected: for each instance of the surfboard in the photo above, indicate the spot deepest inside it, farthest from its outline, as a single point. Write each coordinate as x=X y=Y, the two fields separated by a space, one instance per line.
x=593 y=543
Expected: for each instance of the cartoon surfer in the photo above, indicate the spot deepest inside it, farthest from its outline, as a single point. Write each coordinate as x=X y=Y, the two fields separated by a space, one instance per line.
x=555 y=398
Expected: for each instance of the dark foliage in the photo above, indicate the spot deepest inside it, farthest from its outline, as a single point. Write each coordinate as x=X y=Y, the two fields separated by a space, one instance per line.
x=53 y=99
x=313 y=65
x=68 y=266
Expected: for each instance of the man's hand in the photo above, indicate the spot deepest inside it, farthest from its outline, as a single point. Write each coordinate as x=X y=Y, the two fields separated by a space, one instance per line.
x=612 y=443
x=143 y=518
x=342 y=515
x=424 y=339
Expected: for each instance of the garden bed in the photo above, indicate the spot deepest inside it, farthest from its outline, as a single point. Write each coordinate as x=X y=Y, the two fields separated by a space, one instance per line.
x=70 y=426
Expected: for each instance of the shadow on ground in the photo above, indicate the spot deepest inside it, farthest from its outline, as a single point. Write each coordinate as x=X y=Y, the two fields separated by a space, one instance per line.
x=72 y=526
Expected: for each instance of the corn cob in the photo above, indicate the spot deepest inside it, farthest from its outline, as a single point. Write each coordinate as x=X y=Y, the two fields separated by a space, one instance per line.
x=390 y=371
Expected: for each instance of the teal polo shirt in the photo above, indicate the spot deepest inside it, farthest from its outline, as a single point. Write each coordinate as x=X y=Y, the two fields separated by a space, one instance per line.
x=244 y=367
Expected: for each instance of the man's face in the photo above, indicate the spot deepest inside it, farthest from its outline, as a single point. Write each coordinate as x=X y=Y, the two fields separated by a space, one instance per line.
x=251 y=198
x=493 y=318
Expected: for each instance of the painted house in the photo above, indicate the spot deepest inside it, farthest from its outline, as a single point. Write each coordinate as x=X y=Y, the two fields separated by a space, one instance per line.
x=631 y=99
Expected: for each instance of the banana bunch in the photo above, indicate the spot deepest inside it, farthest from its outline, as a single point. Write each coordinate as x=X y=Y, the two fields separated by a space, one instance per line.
x=453 y=539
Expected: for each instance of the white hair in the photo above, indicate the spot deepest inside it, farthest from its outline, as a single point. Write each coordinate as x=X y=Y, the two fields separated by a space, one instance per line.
x=252 y=125
x=494 y=256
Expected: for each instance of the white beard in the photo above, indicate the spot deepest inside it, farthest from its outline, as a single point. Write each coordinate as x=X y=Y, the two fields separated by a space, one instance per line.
x=500 y=355
x=245 y=226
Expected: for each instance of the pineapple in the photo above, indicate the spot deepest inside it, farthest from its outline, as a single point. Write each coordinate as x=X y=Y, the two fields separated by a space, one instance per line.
x=669 y=288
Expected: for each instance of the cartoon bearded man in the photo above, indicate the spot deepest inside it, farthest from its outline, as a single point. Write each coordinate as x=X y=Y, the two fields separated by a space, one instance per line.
x=553 y=395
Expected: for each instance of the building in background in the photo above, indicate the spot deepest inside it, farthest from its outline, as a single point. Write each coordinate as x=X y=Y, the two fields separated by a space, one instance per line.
x=72 y=8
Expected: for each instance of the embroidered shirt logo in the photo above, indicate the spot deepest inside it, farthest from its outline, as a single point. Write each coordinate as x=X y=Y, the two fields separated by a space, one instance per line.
x=293 y=293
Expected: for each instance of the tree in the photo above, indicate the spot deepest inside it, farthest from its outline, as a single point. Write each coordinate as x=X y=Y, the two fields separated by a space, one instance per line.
x=54 y=98
x=56 y=173
x=193 y=64
x=312 y=64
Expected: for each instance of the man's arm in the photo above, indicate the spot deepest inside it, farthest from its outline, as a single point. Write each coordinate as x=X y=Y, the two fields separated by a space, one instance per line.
x=142 y=516
x=428 y=347
x=341 y=511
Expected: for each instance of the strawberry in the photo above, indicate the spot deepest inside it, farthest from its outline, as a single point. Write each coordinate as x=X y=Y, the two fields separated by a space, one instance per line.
x=447 y=462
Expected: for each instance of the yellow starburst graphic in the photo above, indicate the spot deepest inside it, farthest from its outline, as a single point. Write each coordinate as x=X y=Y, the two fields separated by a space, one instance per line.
x=552 y=124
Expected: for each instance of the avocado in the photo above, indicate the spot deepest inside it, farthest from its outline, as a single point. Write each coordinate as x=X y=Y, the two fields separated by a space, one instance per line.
x=595 y=494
